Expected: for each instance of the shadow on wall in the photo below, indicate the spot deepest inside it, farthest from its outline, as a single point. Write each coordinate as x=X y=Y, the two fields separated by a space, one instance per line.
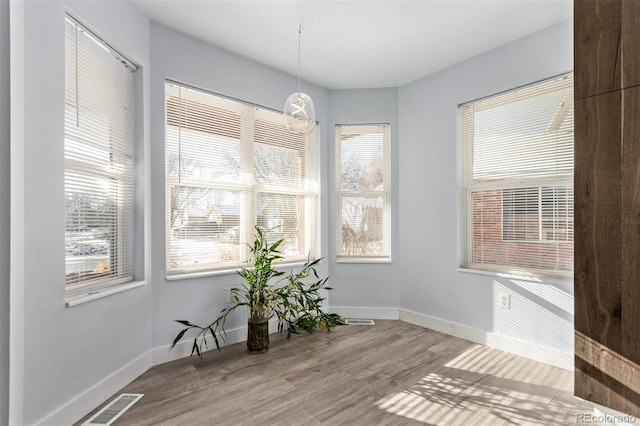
x=533 y=310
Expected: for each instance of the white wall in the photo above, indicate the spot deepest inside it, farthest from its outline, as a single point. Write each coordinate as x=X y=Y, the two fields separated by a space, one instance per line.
x=4 y=212
x=180 y=58
x=542 y=312
x=59 y=353
x=359 y=285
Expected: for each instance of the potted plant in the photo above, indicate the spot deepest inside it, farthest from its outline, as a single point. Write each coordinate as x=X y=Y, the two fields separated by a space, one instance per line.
x=268 y=293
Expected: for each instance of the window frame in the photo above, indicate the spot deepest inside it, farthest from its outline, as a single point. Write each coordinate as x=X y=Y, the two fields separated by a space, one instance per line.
x=468 y=186
x=249 y=189
x=384 y=194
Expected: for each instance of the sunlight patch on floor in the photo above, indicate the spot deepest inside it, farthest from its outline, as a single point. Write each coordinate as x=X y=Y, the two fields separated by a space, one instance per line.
x=485 y=386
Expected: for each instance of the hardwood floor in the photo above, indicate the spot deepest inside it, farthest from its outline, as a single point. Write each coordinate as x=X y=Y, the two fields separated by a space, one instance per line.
x=393 y=373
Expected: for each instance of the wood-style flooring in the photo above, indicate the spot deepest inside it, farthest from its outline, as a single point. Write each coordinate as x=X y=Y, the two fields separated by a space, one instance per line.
x=392 y=373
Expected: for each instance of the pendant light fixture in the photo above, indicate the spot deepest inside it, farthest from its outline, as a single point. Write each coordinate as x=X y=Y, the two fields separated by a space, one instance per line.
x=299 y=112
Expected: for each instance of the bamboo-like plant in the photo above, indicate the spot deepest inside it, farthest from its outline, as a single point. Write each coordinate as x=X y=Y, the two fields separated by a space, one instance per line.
x=269 y=293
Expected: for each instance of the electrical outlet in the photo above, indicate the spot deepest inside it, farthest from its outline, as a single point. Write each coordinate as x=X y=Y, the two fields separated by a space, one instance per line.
x=505 y=301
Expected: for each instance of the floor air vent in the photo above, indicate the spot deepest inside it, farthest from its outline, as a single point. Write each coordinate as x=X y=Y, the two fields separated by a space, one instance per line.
x=351 y=321
x=114 y=409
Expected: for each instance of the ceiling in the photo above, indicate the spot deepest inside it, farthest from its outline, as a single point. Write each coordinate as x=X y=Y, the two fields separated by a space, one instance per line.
x=353 y=44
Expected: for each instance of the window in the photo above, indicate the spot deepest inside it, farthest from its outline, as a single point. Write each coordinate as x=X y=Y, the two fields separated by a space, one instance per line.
x=99 y=163
x=363 y=184
x=231 y=166
x=518 y=179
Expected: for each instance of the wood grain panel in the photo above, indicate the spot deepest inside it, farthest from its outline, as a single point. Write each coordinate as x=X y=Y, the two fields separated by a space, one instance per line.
x=631 y=226
x=606 y=377
x=630 y=43
x=607 y=291
x=597 y=58
x=597 y=218
x=598 y=294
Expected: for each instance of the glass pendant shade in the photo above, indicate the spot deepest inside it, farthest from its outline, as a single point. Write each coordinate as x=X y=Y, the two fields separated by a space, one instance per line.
x=299 y=113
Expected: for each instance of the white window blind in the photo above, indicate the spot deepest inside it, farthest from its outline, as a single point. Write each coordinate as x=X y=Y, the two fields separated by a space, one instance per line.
x=99 y=173
x=363 y=190
x=518 y=179
x=231 y=166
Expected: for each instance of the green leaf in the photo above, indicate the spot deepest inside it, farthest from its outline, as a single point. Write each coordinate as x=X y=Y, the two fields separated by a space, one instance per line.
x=196 y=348
x=215 y=338
x=187 y=323
x=275 y=245
x=314 y=262
x=178 y=337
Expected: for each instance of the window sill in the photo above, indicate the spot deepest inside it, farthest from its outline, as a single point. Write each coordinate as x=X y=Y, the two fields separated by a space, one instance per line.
x=189 y=275
x=99 y=294
x=563 y=279
x=363 y=260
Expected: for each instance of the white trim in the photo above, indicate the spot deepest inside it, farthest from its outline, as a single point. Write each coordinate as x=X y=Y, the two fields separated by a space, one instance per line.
x=234 y=270
x=536 y=352
x=17 y=216
x=549 y=278
x=365 y=312
x=183 y=349
x=363 y=259
x=82 y=404
x=102 y=292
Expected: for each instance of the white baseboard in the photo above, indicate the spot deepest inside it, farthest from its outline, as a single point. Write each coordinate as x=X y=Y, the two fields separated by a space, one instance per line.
x=365 y=313
x=82 y=404
x=544 y=354
x=183 y=349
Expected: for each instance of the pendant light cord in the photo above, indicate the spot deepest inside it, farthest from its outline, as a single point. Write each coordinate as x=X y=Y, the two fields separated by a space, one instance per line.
x=301 y=27
x=320 y=16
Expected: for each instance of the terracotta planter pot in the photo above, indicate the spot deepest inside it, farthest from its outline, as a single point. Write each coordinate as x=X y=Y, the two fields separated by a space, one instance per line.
x=258 y=336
